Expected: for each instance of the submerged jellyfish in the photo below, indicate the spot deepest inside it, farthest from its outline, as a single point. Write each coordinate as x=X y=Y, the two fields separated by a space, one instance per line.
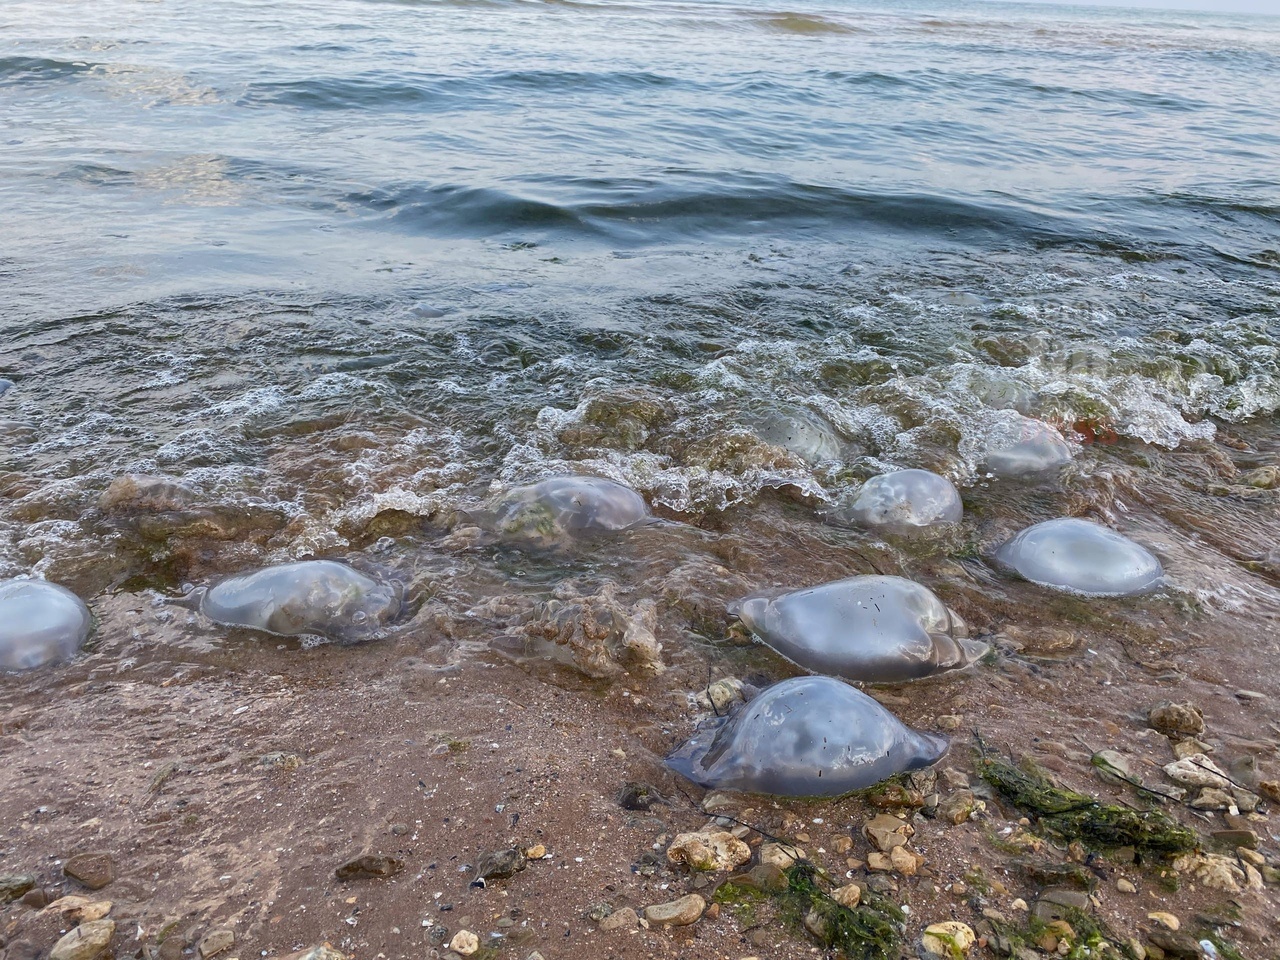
x=874 y=629
x=800 y=430
x=1081 y=556
x=40 y=623
x=1022 y=447
x=903 y=502
x=569 y=505
x=319 y=597
x=805 y=737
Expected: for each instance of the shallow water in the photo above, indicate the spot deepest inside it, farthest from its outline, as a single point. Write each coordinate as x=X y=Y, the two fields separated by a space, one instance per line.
x=345 y=270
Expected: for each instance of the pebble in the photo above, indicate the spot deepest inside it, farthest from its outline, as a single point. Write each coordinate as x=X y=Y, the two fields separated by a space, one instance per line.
x=215 y=942
x=847 y=896
x=842 y=845
x=780 y=855
x=86 y=942
x=1176 y=719
x=1270 y=790
x=1125 y=886
x=80 y=909
x=94 y=870
x=950 y=939
x=1237 y=838
x=369 y=865
x=958 y=807
x=15 y=885
x=1165 y=919
x=718 y=802
x=464 y=943
x=536 y=852
x=886 y=831
x=1197 y=770
x=639 y=796
x=499 y=865
x=623 y=919
x=1186 y=748
x=708 y=851
x=677 y=913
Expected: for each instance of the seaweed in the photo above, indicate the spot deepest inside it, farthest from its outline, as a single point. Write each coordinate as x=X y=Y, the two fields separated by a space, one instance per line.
x=1068 y=815
x=870 y=931
x=1089 y=937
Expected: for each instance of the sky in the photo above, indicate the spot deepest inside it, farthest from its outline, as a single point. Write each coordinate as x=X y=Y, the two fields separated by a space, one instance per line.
x=1216 y=6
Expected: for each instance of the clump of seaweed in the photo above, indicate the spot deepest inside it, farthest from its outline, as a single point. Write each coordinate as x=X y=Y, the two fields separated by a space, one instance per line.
x=1088 y=938
x=1068 y=815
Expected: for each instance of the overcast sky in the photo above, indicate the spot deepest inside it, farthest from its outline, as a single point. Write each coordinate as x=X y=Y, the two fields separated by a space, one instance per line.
x=1217 y=6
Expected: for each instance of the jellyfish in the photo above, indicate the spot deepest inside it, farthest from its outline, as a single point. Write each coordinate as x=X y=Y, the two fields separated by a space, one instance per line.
x=904 y=503
x=569 y=506
x=312 y=597
x=1083 y=557
x=869 y=628
x=40 y=623
x=1022 y=447
x=804 y=737
x=798 y=429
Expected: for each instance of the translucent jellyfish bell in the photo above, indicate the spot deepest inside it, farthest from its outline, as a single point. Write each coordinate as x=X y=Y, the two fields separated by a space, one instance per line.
x=40 y=623
x=312 y=597
x=1022 y=447
x=806 y=737
x=569 y=505
x=873 y=629
x=904 y=503
x=799 y=430
x=1081 y=556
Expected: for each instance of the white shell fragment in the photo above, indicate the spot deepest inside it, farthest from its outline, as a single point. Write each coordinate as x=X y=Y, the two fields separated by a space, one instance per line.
x=903 y=503
x=1021 y=447
x=1081 y=556
x=40 y=623
x=312 y=597
x=872 y=628
x=567 y=506
x=805 y=737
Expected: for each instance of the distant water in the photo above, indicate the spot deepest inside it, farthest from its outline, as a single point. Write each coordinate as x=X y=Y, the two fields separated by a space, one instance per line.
x=350 y=256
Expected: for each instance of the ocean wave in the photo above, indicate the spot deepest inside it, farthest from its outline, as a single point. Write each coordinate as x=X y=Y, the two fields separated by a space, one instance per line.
x=15 y=70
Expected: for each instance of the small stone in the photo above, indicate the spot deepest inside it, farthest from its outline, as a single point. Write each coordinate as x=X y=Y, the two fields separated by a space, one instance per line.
x=950 y=721
x=1213 y=871
x=677 y=913
x=1237 y=838
x=499 y=865
x=957 y=807
x=886 y=831
x=879 y=862
x=951 y=939
x=369 y=865
x=956 y=779
x=847 y=896
x=1112 y=766
x=1251 y=856
x=718 y=802
x=639 y=796
x=1270 y=789
x=803 y=838
x=720 y=695
x=1125 y=886
x=780 y=855
x=708 y=851
x=765 y=877
x=816 y=924
x=86 y=942
x=1186 y=748
x=14 y=886
x=1176 y=719
x=536 y=852
x=1197 y=770
x=325 y=951
x=1211 y=798
x=464 y=943
x=842 y=845
x=80 y=909
x=905 y=861
x=36 y=899
x=713 y=912
x=1054 y=903
x=215 y=942
x=624 y=918
x=401 y=830
x=94 y=870
x=1018 y=904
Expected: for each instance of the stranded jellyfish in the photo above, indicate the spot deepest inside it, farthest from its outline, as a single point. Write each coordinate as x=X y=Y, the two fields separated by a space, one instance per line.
x=805 y=737
x=904 y=502
x=1022 y=447
x=40 y=623
x=874 y=629
x=314 y=597
x=800 y=430
x=569 y=505
x=1083 y=557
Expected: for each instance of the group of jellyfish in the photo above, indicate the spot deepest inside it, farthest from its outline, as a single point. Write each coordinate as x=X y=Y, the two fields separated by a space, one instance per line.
x=814 y=735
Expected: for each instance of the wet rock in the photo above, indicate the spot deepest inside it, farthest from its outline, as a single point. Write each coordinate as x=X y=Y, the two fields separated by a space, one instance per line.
x=677 y=913
x=865 y=628
x=886 y=832
x=1017 y=447
x=903 y=503
x=546 y=513
x=80 y=909
x=809 y=736
x=325 y=951
x=1211 y=798
x=1197 y=770
x=624 y=918
x=367 y=866
x=21 y=950
x=707 y=851
x=1112 y=766
x=1213 y=871
x=13 y=886
x=86 y=942
x=1174 y=945
x=94 y=870
x=780 y=855
x=1054 y=903
x=716 y=802
x=1125 y=886
x=536 y=852
x=951 y=939
x=1270 y=789
x=499 y=865
x=958 y=807
x=1176 y=719
x=765 y=877
x=215 y=942
x=1189 y=747
x=35 y=899
x=721 y=695
x=464 y=943
x=312 y=597
x=905 y=861
x=40 y=623
x=1082 y=557
x=634 y=795
x=847 y=896
x=603 y=636
x=1165 y=919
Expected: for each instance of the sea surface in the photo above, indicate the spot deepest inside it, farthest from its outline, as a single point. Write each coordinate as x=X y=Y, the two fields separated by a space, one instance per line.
x=340 y=271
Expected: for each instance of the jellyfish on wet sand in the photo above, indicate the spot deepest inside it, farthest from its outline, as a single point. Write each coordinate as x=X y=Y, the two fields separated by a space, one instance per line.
x=805 y=737
x=875 y=629
x=311 y=597
x=799 y=430
x=568 y=506
x=1021 y=447
x=1083 y=557
x=40 y=623
x=904 y=502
